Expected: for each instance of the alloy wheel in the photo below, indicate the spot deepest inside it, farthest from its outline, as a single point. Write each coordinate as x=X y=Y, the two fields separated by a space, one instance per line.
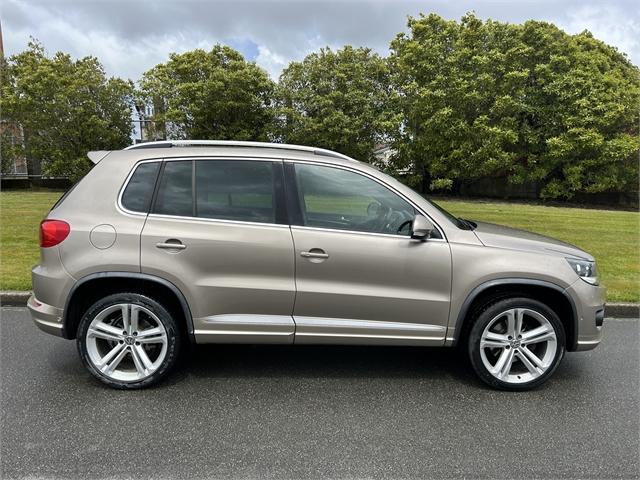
x=518 y=345
x=126 y=342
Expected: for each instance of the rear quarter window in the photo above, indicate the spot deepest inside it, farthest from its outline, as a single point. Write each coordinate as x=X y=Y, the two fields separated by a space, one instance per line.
x=138 y=192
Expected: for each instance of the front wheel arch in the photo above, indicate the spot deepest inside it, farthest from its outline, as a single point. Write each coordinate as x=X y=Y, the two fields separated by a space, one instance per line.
x=551 y=294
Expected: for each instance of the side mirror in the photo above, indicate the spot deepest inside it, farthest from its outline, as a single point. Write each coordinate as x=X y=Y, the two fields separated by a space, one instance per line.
x=421 y=228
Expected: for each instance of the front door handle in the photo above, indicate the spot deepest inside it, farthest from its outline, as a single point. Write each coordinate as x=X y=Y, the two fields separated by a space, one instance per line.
x=315 y=253
x=171 y=244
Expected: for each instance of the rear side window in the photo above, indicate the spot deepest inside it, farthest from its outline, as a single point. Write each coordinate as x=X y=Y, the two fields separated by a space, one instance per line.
x=235 y=190
x=137 y=196
x=175 y=190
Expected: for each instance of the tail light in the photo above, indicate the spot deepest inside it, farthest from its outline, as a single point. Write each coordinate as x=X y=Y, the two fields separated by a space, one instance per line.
x=52 y=232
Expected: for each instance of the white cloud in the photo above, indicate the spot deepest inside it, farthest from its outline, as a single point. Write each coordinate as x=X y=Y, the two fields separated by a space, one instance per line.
x=270 y=61
x=609 y=24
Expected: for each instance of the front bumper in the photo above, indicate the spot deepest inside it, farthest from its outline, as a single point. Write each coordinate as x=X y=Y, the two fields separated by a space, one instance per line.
x=46 y=317
x=589 y=301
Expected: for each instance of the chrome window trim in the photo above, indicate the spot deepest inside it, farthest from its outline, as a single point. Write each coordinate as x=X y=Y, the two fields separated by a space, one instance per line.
x=357 y=232
x=377 y=180
x=216 y=220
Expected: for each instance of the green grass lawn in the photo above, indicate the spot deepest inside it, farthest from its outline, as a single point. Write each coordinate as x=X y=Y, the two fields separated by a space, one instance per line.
x=613 y=237
x=20 y=215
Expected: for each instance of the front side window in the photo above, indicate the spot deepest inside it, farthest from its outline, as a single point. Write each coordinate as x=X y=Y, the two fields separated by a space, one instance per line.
x=241 y=190
x=175 y=190
x=340 y=199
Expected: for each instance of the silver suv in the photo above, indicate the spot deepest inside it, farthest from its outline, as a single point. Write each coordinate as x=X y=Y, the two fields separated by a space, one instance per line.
x=240 y=242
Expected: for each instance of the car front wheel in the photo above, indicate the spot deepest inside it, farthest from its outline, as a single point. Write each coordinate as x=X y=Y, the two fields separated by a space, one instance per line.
x=516 y=343
x=128 y=341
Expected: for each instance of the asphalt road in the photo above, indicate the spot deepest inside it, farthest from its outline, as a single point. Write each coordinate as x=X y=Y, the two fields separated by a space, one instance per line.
x=317 y=412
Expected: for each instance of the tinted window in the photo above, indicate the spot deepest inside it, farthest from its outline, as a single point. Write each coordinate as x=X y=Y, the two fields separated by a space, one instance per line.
x=344 y=200
x=175 y=193
x=137 y=195
x=235 y=190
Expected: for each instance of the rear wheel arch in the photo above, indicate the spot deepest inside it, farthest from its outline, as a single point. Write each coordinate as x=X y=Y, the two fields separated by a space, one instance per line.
x=92 y=287
x=551 y=294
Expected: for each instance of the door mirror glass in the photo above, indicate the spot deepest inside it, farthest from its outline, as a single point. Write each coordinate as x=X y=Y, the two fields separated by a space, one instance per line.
x=421 y=228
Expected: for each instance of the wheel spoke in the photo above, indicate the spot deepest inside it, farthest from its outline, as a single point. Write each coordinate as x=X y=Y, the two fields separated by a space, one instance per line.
x=146 y=361
x=112 y=353
x=494 y=340
x=125 y=318
x=137 y=361
x=105 y=327
x=152 y=335
x=542 y=333
x=498 y=337
x=533 y=358
x=503 y=366
x=511 y=323
x=492 y=344
x=519 y=315
x=535 y=371
x=110 y=333
x=133 y=320
x=108 y=365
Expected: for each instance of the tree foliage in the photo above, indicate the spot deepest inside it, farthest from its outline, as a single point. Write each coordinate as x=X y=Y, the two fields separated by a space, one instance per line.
x=520 y=102
x=335 y=100
x=60 y=109
x=209 y=95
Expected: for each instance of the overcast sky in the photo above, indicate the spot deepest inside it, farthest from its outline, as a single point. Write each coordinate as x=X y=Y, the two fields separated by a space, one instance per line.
x=129 y=37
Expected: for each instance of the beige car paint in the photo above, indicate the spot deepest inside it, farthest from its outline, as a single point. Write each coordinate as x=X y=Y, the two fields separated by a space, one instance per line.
x=240 y=278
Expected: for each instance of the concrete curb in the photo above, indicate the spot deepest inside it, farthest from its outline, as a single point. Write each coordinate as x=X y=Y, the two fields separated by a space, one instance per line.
x=622 y=310
x=615 y=310
x=14 y=298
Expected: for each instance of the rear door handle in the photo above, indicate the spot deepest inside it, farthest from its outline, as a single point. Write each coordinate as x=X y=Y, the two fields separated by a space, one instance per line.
x=171 y=245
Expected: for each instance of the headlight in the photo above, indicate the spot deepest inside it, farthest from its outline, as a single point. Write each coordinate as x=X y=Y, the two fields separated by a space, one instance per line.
x=585 y=269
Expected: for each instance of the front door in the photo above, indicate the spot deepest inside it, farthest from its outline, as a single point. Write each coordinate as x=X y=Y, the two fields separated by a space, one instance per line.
x=218 y=231
x=360 y=278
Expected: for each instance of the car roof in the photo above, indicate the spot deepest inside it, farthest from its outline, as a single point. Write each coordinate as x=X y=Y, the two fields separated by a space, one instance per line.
x=223 y=148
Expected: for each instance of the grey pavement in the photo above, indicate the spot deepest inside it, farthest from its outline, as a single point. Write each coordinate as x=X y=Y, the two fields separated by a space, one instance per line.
x=316 y=412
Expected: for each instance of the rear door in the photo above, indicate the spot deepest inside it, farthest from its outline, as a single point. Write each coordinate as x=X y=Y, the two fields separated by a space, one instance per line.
x=218 y=231
x=360 y=277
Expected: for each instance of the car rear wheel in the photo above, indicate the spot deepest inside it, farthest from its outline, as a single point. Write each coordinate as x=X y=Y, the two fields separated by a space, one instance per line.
x=128 y=341
x=516 y=343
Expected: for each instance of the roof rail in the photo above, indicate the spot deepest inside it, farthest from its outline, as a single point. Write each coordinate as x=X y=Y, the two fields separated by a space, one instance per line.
x=233 y=143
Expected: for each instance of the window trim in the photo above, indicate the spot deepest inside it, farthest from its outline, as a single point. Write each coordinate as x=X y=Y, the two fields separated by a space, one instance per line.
x=292 y=196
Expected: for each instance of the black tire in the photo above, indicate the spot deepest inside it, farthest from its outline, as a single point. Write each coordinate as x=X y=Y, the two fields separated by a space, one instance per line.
x=174 y=340
x=490 y=311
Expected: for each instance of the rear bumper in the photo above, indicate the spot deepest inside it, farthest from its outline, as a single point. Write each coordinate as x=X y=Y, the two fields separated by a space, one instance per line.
x=46 y=317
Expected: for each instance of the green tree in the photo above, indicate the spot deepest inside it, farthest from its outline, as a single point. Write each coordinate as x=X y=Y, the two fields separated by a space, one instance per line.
x=518 y=102
x=209 y=95
x=62 y=108
x=336 y=100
